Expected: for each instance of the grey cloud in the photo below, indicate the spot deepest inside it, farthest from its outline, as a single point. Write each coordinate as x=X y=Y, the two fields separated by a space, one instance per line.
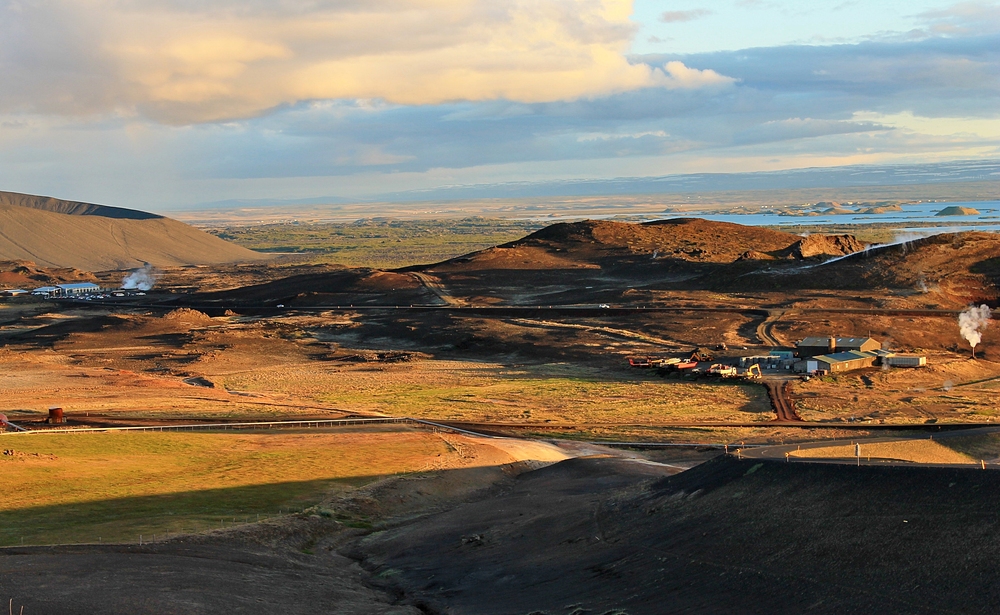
x=682 y=16
x=936 y=76
x=799 y=98
x=796 y=128
x=963 y=19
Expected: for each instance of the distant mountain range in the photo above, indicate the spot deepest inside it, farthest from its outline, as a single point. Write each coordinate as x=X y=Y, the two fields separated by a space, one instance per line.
x=818 y=177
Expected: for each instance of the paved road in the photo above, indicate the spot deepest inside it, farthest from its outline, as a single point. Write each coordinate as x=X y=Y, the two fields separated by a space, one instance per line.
x=175 y=301
x=784 y=452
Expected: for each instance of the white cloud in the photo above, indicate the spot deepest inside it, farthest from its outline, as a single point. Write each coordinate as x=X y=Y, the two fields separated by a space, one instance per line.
x=180 y=62
x=678 y=76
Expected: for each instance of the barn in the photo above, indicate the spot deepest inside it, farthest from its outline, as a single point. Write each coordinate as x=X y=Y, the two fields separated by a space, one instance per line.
x=813 y=346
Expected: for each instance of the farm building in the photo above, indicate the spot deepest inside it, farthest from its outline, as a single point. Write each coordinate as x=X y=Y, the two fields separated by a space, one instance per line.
x=813 y=346
x=16 y=292
x=837 y=362
x=46 y=291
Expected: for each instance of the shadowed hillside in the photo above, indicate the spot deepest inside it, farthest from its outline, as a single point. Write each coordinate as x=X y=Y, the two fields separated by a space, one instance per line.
x=54 y=233
x=962 y=266
x=607 y=536
x=74 y=208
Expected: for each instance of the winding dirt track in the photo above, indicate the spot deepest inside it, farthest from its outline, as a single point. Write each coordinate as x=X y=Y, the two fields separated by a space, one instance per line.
x=765 y=330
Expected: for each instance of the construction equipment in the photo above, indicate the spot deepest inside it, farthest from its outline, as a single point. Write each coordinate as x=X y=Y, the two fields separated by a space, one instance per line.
x=753 y=372
x=723 y=371
x=639 y=362
x=702 y=355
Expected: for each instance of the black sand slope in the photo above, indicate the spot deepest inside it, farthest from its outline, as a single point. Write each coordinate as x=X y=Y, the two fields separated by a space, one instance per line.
x=606 y=536
x=587 y=536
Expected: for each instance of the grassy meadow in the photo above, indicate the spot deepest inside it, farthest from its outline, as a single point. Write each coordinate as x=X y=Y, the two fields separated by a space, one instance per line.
x=114 y=486
x=466 y=391
x=379 y=243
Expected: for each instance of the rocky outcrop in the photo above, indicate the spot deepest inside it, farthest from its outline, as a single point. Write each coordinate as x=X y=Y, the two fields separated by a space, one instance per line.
x=825 y=245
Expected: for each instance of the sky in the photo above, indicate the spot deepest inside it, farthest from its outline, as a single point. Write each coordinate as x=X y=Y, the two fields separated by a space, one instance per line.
x=156 y=104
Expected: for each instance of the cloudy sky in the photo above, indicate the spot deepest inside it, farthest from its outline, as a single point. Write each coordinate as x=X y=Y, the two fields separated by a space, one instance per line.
x=162 y=103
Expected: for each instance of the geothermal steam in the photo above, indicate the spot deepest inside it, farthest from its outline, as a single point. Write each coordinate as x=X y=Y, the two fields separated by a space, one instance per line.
x=140 y=279
x=972 y=322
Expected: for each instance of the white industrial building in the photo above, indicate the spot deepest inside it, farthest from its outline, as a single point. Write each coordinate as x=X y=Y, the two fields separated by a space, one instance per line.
x=67 y=290
x=78 y=288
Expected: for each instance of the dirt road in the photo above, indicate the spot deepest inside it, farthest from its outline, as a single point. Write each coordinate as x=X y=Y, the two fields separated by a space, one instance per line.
x=781 y=400
x=434 y=285
x=765 y=330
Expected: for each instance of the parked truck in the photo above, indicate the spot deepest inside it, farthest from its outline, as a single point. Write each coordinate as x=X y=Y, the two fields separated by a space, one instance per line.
x=722 y=371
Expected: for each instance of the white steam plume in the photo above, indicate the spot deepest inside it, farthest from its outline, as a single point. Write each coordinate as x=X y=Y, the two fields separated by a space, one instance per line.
x=140 y=279
x=972 y=322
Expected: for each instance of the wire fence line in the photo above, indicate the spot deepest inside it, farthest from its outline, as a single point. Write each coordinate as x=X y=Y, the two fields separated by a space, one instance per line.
x=306 y=424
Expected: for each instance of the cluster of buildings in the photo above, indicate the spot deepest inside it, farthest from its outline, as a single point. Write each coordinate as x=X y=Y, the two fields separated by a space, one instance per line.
x=843 y=354
x=832 y=355
x=59 y=290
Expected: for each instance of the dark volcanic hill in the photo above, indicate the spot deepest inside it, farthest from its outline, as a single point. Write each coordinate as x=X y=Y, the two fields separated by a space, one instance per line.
x=55 y=233
x=330 y=285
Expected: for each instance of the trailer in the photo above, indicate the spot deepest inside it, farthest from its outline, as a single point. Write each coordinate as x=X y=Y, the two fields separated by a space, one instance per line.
x=900 y=360
x=665 y=362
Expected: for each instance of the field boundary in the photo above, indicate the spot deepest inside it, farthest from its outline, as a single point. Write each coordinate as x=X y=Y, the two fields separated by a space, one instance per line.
x=227 y=426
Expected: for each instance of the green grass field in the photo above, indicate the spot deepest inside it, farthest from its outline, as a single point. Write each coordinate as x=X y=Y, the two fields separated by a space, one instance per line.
x=115 y=486
x=383 y=244
x=466 y=391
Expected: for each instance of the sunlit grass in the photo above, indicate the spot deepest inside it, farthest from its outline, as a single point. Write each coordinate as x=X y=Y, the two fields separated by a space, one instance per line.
x=384 y=244
x=526 y=396
x=116 y=486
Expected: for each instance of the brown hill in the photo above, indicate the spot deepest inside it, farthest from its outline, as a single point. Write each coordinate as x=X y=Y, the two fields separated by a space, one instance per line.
x=54 y=233
x=962 y=266
x=595 y=243
x=957 y=210
x=27 y=274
